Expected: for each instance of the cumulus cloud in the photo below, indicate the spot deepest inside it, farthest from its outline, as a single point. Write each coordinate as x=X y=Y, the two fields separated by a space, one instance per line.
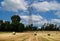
x=55 y=21
x=34 y=17
x=36 y=20
x=25 y=17
x=46 y=6
x=37 y=17
x=14 y=5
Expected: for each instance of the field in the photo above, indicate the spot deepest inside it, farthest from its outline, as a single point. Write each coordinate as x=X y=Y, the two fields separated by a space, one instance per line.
x=31 y=36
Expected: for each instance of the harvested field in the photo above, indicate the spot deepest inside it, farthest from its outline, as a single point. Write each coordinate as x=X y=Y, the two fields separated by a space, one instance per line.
x=30 y=36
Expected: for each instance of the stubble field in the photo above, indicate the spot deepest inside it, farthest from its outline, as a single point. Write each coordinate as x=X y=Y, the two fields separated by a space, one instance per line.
x=31 y=36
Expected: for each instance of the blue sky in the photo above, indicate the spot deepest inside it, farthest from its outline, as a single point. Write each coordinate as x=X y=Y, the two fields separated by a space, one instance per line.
x=43 y=11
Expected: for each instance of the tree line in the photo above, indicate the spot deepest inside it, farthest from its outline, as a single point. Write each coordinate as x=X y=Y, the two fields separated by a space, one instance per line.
x=17 y=26
x=50 y=27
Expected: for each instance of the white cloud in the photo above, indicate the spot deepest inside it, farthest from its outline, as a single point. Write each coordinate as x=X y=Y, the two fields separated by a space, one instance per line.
x=58 y=13
x=14 y=5
x=25 y=17
x=36 y=19
x=46 y=6
x=55 y=21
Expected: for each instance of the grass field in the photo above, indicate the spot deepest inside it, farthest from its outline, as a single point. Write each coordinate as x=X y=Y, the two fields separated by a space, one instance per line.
x=30 y=36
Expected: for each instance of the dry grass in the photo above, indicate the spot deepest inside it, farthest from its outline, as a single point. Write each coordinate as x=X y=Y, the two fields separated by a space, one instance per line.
x=29 y=36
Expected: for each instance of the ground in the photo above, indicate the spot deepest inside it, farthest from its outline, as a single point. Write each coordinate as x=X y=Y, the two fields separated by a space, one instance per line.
x=31 y=36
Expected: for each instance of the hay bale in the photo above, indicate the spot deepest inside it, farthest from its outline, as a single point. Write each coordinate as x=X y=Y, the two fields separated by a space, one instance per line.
x=56 y=33
x=48 y=34
x=35 y=34
x=14 y=33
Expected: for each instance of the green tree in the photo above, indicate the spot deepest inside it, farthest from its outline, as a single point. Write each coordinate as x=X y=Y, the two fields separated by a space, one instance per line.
x=1 y=22
x=16 y=25
x=15 y=19
x=31 y=28
x=20 y=27
x=7 y=25
x=48 y=27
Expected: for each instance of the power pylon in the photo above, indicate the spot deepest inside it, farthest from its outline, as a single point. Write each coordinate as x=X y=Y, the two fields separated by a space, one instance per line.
x=30 y=15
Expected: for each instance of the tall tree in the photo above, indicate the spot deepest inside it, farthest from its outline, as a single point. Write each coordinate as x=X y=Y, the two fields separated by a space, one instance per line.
x=49 y=26
x=20 y=27
x=7 y=25
x=16 y=25
x=1 y=22
x=15 y=19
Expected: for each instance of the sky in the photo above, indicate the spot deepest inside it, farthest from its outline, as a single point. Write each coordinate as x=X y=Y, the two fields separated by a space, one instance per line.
x=43 y=11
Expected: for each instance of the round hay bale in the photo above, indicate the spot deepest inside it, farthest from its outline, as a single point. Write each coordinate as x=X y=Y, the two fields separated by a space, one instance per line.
x=48 y=34
x=35 y=34
x=14 y=33
x=56 y=33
